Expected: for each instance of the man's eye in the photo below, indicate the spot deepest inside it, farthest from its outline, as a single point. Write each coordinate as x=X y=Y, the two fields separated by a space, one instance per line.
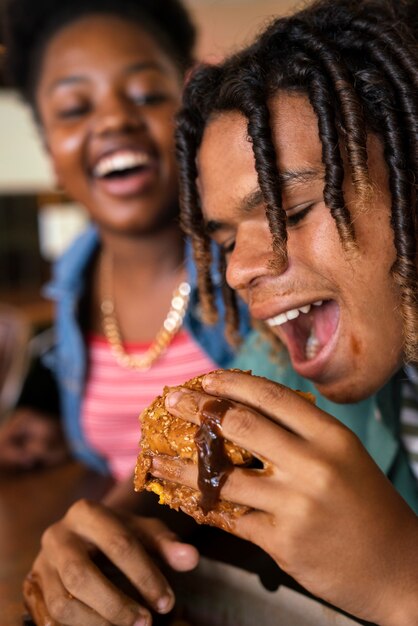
x=228 y=247
x=296 y=215
x=149 y=99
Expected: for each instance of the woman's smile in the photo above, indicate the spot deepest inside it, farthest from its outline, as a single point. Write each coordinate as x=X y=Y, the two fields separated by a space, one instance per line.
x=107 y=99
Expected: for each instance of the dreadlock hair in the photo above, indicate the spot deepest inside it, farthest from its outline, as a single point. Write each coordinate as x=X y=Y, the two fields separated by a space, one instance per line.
x=357 y=61
x=28 y=27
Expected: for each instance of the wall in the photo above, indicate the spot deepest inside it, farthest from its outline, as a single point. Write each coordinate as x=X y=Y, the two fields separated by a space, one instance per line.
x=225 y=25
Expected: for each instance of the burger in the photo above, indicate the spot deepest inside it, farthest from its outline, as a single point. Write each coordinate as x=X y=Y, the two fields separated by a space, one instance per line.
x=205 y=446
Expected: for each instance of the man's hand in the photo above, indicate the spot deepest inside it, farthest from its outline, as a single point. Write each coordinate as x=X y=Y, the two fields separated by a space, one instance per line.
x=323 y=510
x=73 y=588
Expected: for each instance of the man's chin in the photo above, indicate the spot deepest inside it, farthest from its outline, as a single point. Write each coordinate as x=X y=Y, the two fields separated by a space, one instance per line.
x=347 y=391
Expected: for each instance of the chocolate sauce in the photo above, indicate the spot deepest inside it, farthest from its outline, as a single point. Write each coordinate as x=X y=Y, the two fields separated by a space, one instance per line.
x=214 y=465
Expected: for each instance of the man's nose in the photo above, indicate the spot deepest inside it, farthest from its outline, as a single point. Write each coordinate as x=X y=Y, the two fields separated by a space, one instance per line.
x=250 y=261
x=117 y=114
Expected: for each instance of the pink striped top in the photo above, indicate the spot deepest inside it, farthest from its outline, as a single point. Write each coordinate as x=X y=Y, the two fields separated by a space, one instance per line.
x=115 y=396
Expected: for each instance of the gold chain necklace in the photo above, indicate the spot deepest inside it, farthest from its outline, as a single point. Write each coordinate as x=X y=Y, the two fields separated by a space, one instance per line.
x=164 y=336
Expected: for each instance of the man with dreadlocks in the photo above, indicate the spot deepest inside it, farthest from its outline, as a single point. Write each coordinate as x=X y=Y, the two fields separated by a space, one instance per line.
x=299 y=156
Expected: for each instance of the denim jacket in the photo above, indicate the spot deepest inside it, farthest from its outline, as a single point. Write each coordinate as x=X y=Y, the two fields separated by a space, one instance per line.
x=68 y=358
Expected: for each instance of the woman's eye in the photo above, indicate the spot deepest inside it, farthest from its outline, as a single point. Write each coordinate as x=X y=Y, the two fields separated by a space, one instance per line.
x=149 y=98
x=296 y=214
x=73 y=112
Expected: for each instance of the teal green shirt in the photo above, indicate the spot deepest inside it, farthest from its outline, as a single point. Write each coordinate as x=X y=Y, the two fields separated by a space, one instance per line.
x=374 y=420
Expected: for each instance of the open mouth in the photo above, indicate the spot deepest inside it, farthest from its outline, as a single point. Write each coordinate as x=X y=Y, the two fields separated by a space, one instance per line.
x=126 y=172
x=307 y=329
x=122 y=164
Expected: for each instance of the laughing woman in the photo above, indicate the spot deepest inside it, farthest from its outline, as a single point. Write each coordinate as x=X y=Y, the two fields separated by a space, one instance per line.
x=104 y=80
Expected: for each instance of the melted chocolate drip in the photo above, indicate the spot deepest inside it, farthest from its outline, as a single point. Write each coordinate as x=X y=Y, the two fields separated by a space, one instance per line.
x=214 y=465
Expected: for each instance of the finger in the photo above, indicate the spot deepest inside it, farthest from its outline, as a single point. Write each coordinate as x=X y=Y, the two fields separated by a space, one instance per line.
x=182 y=557
x=86 y=584
x=240 y=424
x=279 y=403
x=119 y=543
x=255 y=527
x=51 y=605
x=252 y=488
x=35 y=603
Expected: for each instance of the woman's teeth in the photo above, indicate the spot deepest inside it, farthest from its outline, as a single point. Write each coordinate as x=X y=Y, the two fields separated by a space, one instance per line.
x=292 y=314
x=119 y=162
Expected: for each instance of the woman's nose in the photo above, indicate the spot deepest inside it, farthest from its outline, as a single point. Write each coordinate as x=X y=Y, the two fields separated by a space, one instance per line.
x=251 y=259
x=117 y=114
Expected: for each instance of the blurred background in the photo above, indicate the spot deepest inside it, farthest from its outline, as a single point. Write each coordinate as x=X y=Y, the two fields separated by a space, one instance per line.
x=36 y=222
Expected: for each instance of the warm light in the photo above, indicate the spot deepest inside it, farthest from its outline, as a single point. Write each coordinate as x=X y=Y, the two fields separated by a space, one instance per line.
x=24 y=166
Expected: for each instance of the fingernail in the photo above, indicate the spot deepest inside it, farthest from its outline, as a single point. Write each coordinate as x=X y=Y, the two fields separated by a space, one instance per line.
x=164 y=604
x=212 y=378
x=182 y=400
x=143 y=620
x=173 y=398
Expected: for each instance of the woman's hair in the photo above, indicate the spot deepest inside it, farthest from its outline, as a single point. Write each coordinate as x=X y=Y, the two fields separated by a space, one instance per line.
x=357 y=61
x=30 y=24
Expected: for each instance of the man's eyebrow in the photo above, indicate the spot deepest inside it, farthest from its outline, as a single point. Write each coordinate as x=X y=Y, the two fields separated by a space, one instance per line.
x=290 y=178
x=253 y=199
x=74 y=79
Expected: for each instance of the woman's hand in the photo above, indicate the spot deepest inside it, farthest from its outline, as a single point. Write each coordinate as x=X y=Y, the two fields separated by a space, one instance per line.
x=31 y=439
x=74 y=589
x=323 y=510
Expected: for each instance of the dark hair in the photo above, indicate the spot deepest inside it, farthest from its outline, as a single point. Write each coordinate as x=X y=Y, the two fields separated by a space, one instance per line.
x=357 y=61
x=29 y=25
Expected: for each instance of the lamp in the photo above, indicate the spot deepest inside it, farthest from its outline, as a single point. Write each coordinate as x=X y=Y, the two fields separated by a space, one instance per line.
x=24 y=167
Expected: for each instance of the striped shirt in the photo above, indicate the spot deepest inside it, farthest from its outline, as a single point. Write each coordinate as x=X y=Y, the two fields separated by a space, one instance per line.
x=409 y=417
x=115 y=396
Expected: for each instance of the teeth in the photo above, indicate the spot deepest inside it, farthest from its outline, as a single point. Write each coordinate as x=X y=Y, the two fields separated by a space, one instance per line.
x=318 y=303
x=292 y=314
x=120 y=161
x=305 y=309
x=312 y=346
x=278 y=320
